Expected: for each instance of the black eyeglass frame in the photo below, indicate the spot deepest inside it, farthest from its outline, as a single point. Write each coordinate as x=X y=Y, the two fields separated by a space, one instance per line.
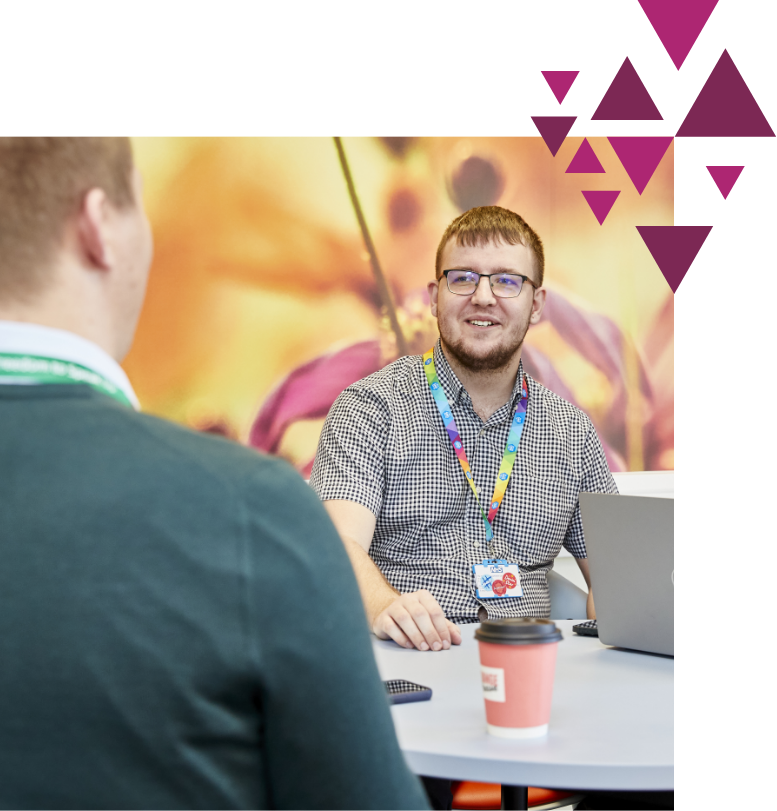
x=486 y=276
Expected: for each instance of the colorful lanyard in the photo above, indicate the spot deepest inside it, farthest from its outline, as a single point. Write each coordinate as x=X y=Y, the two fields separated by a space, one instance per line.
x=37 y=369
x=508 y=458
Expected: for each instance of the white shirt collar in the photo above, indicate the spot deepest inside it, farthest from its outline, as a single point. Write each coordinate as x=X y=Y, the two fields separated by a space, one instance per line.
x=32 y=339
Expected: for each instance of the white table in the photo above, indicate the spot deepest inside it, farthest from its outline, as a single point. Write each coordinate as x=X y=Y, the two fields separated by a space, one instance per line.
x=611 y=727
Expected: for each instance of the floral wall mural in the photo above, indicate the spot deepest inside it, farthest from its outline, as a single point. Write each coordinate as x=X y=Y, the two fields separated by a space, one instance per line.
x=264 y=302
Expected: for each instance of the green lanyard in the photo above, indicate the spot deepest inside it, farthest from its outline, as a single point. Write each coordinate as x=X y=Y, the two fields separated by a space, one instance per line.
x=37 y=369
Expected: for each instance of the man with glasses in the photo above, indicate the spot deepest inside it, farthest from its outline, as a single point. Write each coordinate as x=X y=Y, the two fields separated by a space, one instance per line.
x=453 y=477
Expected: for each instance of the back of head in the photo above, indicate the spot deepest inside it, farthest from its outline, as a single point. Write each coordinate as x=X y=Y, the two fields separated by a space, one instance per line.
x=42 y=185
x=485 y=224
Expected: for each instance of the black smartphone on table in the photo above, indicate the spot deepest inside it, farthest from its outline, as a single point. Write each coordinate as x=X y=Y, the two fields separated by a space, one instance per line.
x=401 y=691
x=586 y=628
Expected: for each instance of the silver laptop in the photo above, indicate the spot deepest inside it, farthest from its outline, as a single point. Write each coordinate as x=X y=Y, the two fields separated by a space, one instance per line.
x=630 y=543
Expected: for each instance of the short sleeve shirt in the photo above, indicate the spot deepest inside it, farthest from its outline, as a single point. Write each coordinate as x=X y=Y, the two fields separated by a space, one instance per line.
x=384 y=446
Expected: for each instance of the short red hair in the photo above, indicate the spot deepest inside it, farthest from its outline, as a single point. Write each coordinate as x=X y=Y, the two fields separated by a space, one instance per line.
x=485 y=224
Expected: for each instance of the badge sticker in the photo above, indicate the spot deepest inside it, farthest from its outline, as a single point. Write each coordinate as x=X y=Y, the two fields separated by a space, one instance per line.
x=496 y=579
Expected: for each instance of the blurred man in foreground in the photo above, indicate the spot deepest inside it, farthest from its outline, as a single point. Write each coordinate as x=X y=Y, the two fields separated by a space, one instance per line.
x=171 y=637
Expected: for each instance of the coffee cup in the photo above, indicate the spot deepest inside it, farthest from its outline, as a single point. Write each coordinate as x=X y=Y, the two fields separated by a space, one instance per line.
x=518 y=664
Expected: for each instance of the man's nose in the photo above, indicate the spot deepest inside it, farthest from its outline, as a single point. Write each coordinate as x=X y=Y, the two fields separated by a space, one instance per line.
x=483 y=294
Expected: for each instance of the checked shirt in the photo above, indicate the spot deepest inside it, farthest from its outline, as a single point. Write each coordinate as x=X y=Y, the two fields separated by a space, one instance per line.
x=384 y=446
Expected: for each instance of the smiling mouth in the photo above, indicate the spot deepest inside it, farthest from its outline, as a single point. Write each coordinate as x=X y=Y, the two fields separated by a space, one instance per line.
x=483 y=323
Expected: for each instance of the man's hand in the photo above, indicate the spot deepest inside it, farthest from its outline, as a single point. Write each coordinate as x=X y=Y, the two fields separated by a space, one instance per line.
x=416 y=620
x=411 y=620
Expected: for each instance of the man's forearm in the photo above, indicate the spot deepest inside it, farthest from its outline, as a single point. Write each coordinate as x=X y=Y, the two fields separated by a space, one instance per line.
x=414 y=619
x=375 y=590
x=589 y=603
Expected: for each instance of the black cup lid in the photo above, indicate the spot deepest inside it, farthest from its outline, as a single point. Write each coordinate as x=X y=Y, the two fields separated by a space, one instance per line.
x=518 y=631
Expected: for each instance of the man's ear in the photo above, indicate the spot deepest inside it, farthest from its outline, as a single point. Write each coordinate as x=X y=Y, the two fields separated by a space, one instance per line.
x=93 y=229
x=434 y=289
x=537 y=305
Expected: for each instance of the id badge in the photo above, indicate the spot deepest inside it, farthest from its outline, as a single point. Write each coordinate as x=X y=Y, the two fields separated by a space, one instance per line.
x=496 y=578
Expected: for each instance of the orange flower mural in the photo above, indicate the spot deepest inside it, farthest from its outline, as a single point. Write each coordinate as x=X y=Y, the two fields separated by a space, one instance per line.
x=263 y=304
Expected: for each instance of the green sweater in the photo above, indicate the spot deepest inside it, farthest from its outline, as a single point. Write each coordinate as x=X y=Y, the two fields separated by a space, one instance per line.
x=179 y=623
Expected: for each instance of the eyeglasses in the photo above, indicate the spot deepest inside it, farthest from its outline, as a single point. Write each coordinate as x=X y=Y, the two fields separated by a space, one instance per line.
x=503 y=285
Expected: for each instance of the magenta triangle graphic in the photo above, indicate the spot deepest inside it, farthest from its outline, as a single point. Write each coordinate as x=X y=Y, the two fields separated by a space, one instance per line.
x=725 y=177
x=560 y=81
x=674 y=247
x=553 y=129
x=626 y=99
x=725 y=107
x=678 y=25
x=640 y=156
x=601 y=202
x=585 y=160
